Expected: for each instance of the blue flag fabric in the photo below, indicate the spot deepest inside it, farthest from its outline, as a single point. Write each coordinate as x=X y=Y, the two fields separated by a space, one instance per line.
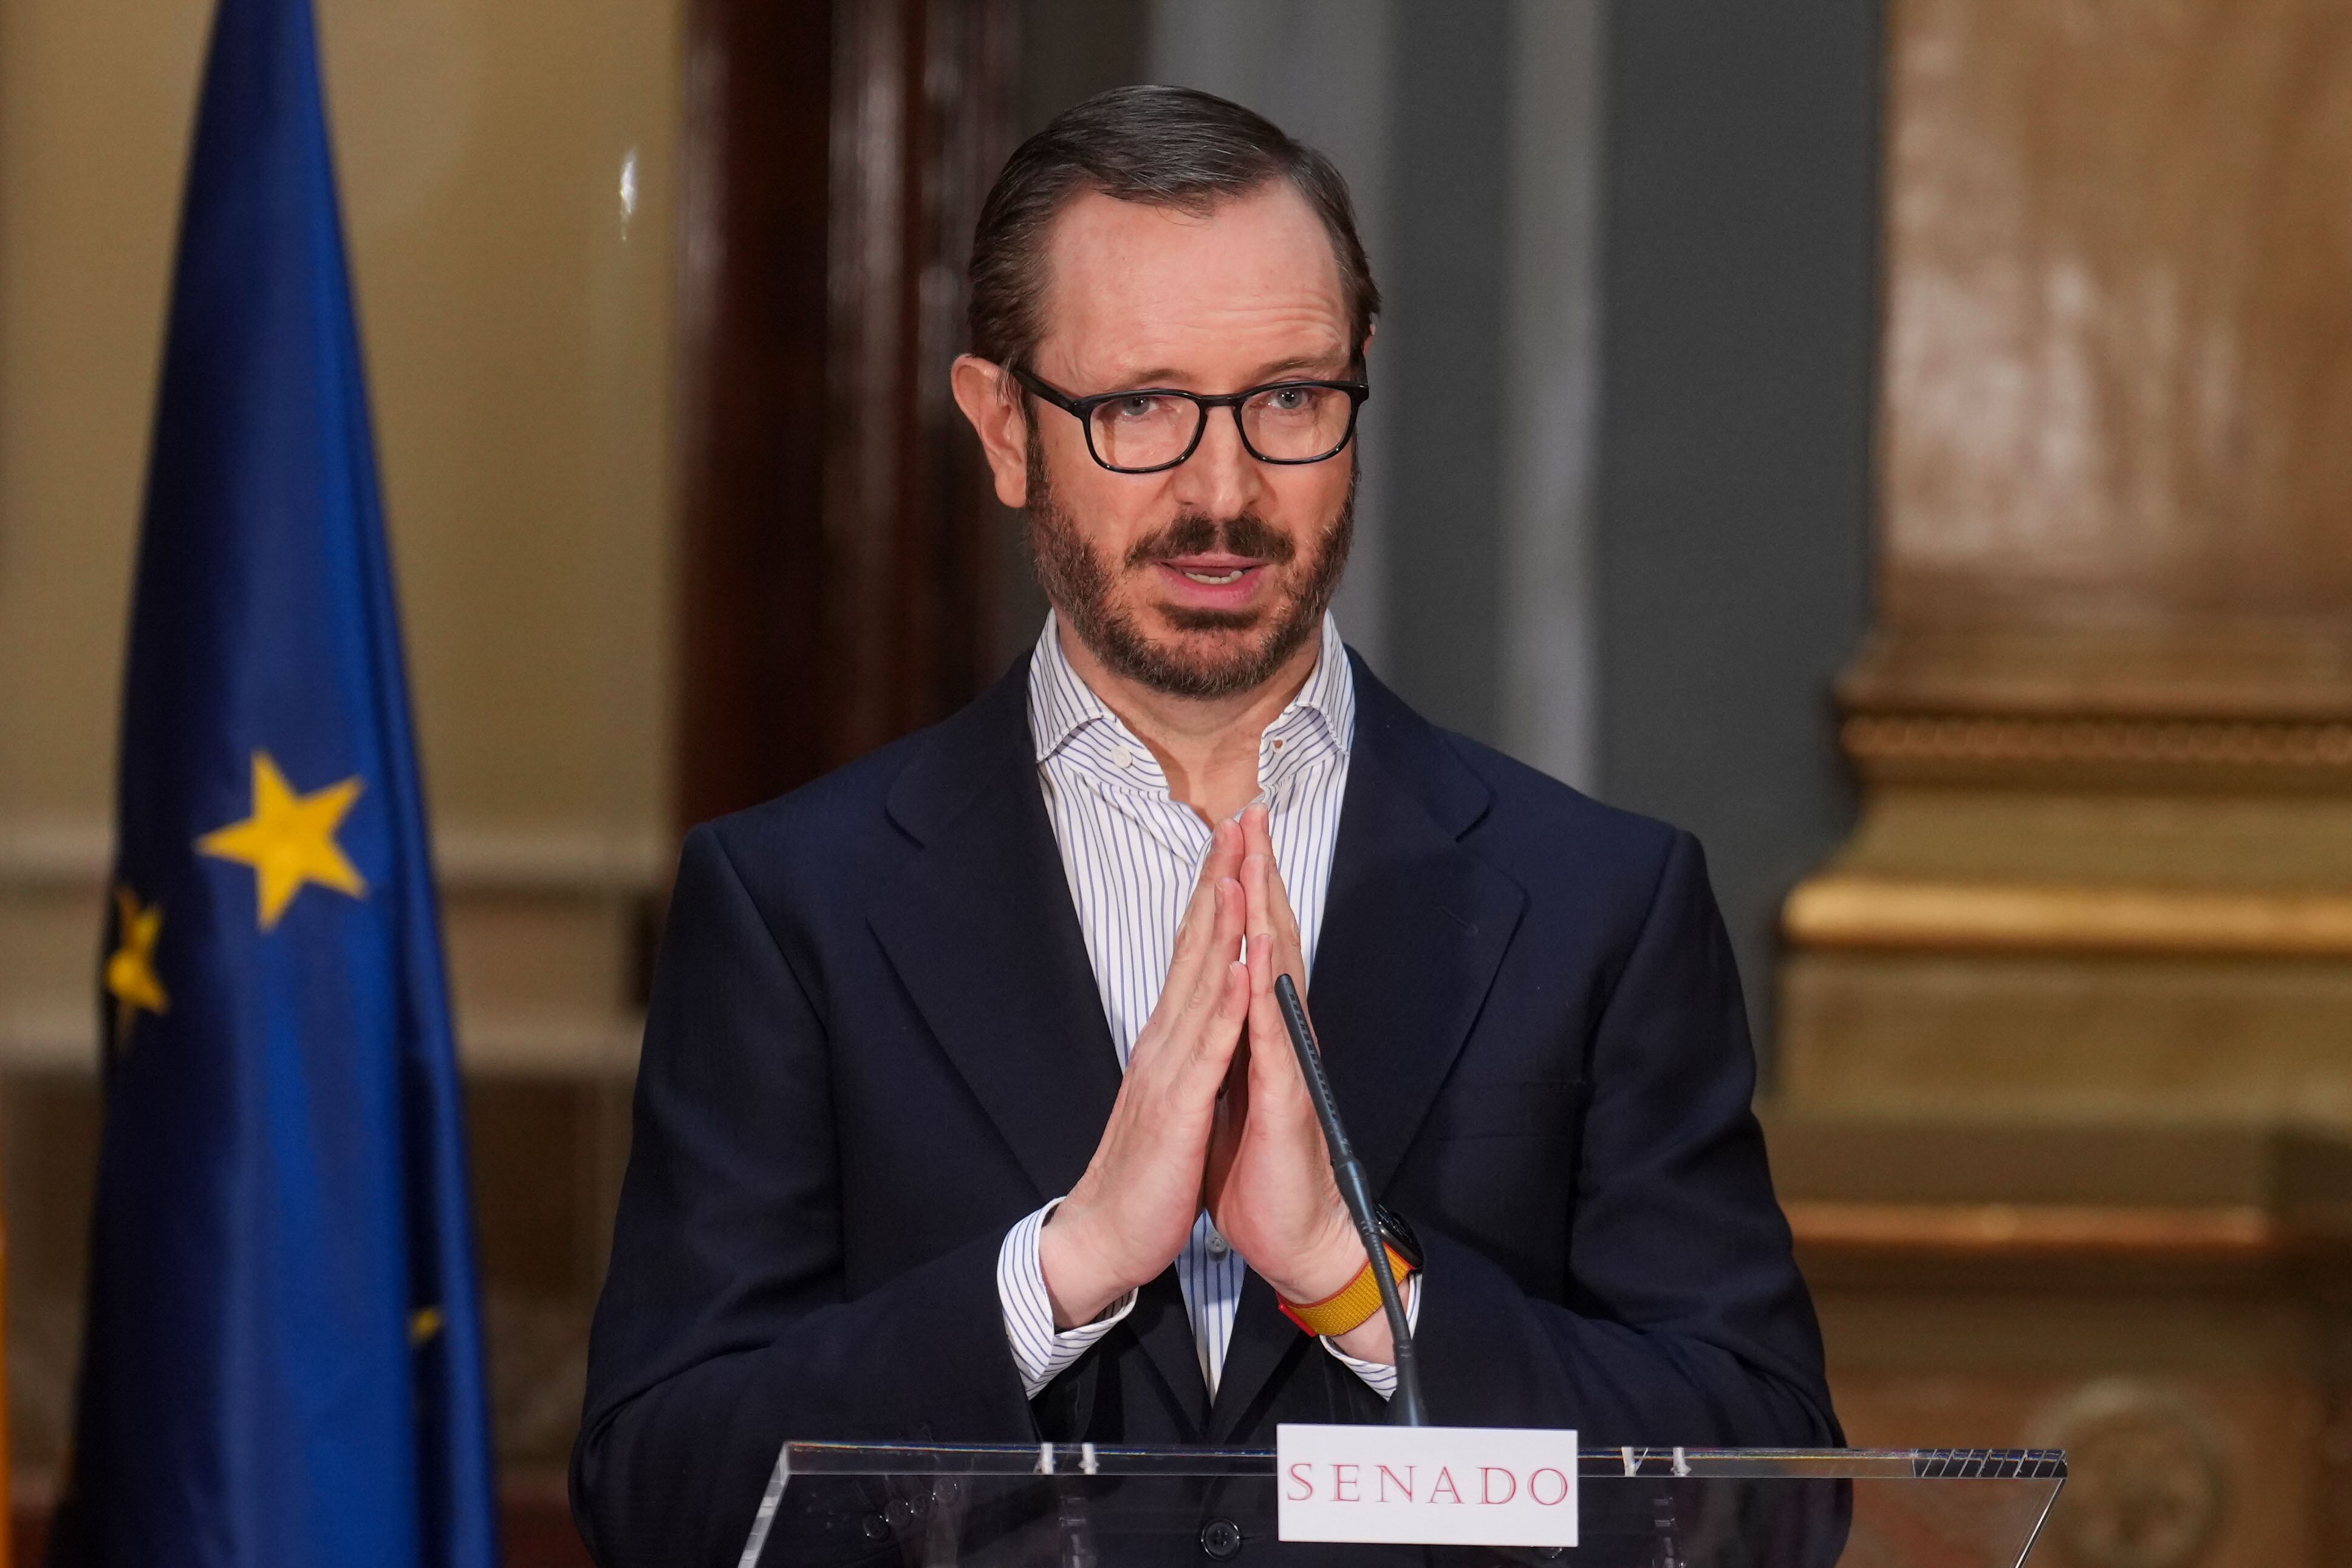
x=283 y=1364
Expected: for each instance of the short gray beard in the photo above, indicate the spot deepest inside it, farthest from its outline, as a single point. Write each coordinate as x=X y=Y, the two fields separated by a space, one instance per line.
x=1080 y=585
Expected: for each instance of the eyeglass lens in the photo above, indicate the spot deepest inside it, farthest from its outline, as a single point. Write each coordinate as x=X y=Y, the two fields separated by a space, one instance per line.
x=1285 y=424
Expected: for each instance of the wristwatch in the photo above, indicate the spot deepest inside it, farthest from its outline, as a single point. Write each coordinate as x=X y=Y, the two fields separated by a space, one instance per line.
x=1354 y=1303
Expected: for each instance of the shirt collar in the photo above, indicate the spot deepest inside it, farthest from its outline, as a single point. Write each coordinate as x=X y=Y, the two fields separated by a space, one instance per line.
x=1061 y=703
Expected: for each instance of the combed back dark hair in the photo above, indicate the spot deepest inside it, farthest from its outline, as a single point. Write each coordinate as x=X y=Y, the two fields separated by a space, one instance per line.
x=1167 y=147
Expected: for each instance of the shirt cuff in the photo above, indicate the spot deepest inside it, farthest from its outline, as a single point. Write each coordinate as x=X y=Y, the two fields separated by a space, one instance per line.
x=1041 y=1351
x=1379 y=1376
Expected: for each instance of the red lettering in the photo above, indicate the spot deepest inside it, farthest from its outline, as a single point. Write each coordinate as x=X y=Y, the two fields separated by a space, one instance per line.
x=1444 y=1487
x=1404 y=1486
x=1535 y=1488
x=1303 y=1481
x=1486 y=1474
x=1344 y=1477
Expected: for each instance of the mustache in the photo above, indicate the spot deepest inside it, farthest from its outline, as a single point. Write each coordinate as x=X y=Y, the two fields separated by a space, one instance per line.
x=1196 y=533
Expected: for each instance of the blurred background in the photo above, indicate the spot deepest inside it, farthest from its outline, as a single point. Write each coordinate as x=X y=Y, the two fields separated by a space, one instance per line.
x=1908 y=444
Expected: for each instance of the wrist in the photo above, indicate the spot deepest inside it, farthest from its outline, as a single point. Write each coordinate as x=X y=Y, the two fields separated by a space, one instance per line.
x=1077 y=1283
x=1327 y=1269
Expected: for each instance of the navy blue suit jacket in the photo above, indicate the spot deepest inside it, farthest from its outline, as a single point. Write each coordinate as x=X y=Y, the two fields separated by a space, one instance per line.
x=875 y=1043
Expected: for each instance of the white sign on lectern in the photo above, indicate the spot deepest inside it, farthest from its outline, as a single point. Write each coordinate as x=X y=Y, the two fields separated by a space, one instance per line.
x=1435 y=1486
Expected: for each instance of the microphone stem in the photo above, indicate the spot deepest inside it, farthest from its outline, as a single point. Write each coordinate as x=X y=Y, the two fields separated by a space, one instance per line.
x=1405 y=1408
x=1405 y=1405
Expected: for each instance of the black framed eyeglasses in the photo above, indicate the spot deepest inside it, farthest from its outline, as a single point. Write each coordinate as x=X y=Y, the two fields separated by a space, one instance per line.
x=1152 y=428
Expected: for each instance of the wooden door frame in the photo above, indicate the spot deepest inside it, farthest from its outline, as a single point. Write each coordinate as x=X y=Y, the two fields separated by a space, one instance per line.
x=836 y=564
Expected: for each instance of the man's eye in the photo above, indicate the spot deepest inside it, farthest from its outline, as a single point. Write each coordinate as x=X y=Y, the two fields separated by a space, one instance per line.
x=1137 y=407
x=1289 y=400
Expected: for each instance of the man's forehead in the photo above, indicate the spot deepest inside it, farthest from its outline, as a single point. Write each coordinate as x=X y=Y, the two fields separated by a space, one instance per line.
x=1131 y=287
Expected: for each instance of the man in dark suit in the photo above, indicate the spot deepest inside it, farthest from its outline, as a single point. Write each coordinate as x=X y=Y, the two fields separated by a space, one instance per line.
x=965 y=1112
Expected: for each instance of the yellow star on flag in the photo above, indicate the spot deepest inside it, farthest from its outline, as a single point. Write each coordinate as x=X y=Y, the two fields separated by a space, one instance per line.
x=289 y=839
x=130 y=969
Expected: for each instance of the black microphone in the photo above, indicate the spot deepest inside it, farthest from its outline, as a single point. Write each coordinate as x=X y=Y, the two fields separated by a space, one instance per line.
x=1405 y=1408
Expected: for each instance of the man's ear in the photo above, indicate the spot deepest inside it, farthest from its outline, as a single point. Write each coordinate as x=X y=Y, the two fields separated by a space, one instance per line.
x=992 y=400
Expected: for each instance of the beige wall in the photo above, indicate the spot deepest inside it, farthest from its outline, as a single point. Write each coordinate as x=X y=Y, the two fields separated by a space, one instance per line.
x=516 y=315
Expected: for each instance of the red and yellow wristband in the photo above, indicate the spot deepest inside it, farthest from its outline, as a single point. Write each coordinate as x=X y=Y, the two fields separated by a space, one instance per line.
x=1350 y=1306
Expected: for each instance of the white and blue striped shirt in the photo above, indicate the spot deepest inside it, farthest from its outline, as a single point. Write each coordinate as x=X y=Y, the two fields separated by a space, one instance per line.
x=1133 y=854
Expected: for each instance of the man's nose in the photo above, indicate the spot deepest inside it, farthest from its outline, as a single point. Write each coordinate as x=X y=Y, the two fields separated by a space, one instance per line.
x=1221 y=479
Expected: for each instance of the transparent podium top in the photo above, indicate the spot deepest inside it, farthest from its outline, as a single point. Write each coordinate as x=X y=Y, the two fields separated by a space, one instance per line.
x=1057 y=1505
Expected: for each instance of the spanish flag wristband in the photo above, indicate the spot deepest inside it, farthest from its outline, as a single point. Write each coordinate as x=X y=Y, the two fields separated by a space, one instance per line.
x=1352 y=1305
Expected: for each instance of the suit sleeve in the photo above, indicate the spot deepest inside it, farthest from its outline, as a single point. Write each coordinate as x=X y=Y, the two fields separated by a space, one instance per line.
x=725 y=1326
x=1686 y=1322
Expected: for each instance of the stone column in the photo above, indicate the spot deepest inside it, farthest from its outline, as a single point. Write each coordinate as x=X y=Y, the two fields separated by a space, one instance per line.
x=2102 y=723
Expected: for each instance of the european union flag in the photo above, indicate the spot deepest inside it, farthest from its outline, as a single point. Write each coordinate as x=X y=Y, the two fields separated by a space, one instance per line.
x=284 y=1357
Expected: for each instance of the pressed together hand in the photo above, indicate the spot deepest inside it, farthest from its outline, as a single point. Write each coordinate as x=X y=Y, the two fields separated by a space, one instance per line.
x=1129 y=1214
x=1213 y=1112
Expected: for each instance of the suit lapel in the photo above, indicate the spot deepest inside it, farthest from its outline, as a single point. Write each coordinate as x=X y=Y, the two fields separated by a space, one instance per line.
x=1412 y=932
x=1164 y=1330
x=1261 y=1342
x=981 y=930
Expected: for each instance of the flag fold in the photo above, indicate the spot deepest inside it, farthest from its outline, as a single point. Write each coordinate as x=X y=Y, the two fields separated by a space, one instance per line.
x=283 y=1362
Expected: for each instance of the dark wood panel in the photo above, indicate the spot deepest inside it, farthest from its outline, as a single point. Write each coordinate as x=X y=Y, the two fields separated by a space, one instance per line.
x=837 y=561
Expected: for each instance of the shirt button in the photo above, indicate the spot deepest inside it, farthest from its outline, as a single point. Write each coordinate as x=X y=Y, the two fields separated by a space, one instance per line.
x=1120 y=756
x=1218 y=1245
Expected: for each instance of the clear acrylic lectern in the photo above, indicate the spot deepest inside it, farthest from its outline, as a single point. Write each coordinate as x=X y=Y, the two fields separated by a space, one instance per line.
x=1084 y=1507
